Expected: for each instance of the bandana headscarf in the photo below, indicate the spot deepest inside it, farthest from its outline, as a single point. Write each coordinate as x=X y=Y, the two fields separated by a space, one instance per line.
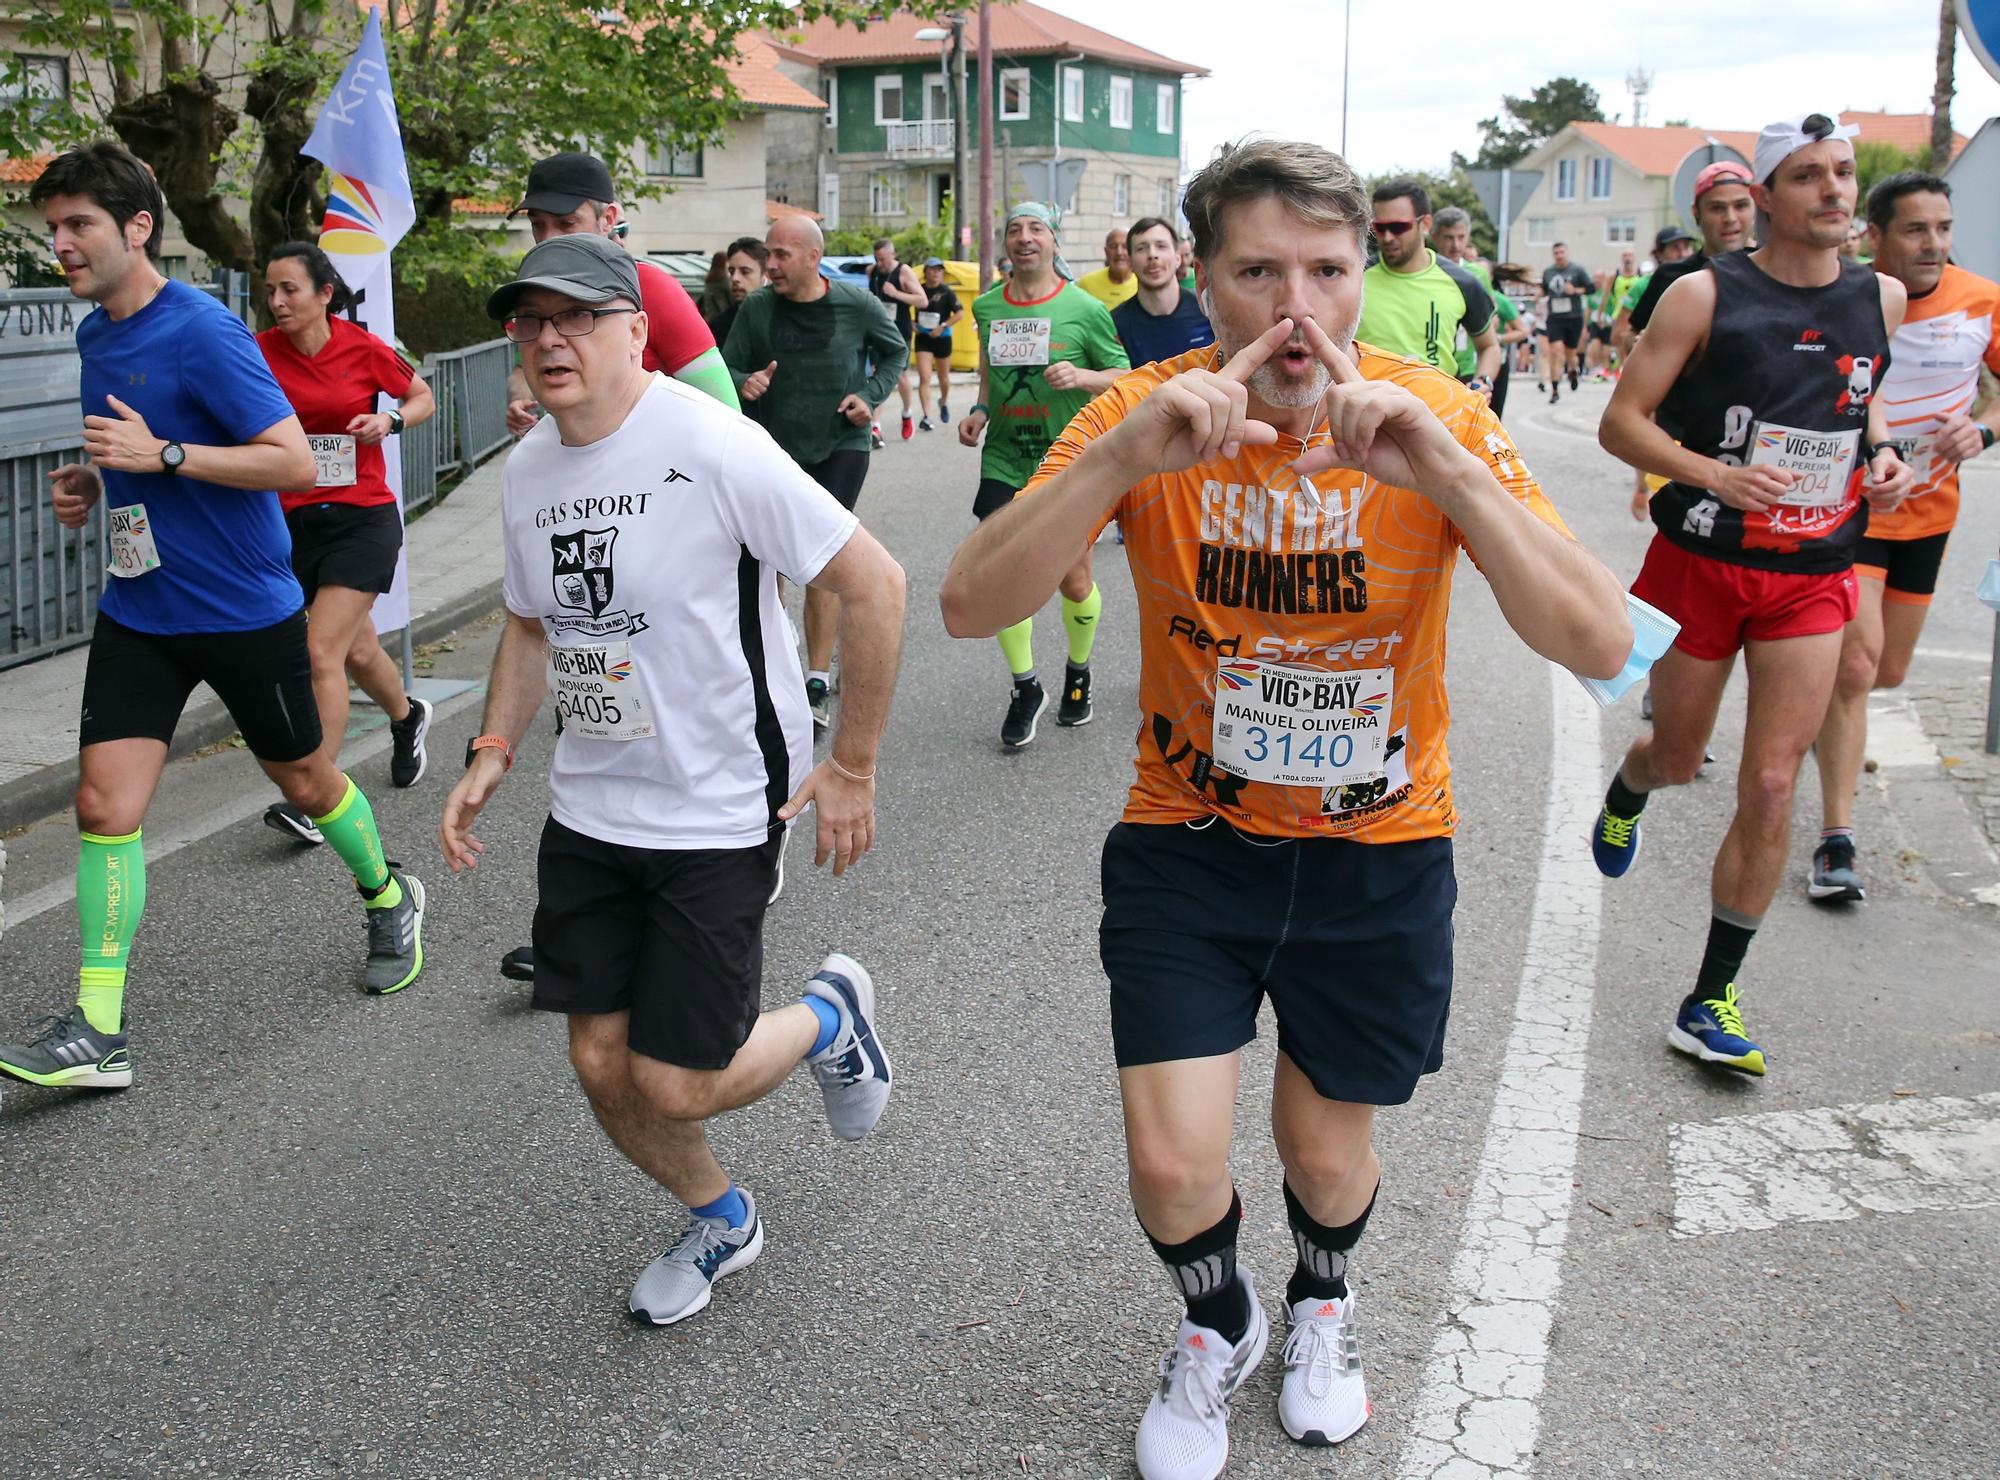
x=1051 y=217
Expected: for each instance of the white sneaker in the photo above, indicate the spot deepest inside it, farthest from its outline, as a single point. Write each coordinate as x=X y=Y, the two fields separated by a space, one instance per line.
x=1185 y=1432
x=1324 y=1398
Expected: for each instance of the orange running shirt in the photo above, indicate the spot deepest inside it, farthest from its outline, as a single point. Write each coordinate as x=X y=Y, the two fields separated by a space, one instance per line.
x=1326 y=597
x=1933 y=375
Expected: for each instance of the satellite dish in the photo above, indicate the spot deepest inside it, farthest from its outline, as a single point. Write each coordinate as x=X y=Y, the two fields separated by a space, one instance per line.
x=1699 y=158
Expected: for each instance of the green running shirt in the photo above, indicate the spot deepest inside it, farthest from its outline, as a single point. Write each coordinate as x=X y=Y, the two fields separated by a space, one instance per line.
x=1419 y=313
x=1023 y=414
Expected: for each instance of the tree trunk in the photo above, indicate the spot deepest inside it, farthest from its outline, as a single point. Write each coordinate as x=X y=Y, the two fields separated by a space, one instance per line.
x=1941 y=93
x=285 y=201
x=180 y=130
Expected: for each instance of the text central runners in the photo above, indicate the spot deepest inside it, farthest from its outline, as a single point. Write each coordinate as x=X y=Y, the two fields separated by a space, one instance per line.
x=1293 y=504
x=644 y=526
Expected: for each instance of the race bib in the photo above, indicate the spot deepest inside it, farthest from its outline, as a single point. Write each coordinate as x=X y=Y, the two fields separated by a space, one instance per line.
x=1920 y=453
x=333 y=461
x=1824 y=462
x=1018 y=342
x=928 y=321
x=597 y=691
x=1296 y=726
x=1559 y=305
x=133 y=552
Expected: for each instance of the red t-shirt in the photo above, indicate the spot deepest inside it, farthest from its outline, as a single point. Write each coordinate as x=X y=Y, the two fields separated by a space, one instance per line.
x=675 y=334
x=328 y=390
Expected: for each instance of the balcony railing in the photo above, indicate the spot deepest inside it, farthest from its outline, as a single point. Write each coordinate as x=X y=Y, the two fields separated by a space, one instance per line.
x=928 y=138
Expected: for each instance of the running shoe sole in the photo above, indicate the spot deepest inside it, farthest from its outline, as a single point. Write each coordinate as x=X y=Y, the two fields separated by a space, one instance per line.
x=416 y=892
x=278 y=820
x=743 y=1258
x=1835 y=893
x=113 y=1071
x=1685 y=1042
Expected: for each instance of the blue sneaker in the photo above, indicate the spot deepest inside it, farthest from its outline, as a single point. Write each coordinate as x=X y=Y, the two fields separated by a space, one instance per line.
x=1712 y=1031
x=677 y=1284
x=1614 y=843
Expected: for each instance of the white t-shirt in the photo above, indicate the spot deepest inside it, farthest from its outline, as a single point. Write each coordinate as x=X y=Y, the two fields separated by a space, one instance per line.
x=648 y=557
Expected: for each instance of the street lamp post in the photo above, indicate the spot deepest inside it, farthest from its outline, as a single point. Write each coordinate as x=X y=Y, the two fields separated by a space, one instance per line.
x=984 y=226
x=951 y=65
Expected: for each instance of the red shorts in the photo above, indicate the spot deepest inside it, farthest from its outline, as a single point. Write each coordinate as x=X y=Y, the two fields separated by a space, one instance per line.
x=1721 y=606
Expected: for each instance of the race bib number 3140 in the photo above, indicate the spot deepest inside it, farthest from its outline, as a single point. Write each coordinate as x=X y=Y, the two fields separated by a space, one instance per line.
x=1301 y=726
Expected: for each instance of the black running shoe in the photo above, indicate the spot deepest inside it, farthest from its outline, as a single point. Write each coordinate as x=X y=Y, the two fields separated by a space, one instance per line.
x=1572 y=378
x=924 y=425
x=1555 y=395
x=944 y=411
x=1030 y=699
x=285 y=818
x=519 y=964
x=409 y=758
x=1834 y=878
x=1075 y=707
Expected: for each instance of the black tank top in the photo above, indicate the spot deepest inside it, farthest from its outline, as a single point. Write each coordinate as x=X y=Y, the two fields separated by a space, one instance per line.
x=1787 y=377
x=876 y=279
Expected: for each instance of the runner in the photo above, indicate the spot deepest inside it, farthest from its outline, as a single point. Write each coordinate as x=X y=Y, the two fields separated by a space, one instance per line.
x=1671 y=245
x=1277 y=551
x=1564 y=284
x=1045 y=348
x=1625 y=283
x=935 y=319
x=1764 y=366
x=900 y=292
x=571 y=193
x=1514 y=328
x=1115 y=282
x=346 y=530
x=652 y=605
x=187 y=434
x=1952 y=327
x=1725 y=215
x=1162 y=319
x=800 y=352
x=743 y=266
x=1415 y=300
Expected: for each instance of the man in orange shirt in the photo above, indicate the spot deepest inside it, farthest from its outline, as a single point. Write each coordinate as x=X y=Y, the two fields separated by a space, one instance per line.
x=1951 y=327
x=1292 y=504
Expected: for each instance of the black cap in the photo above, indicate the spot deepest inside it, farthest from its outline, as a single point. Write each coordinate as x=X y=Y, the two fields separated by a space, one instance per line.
x=562 y=182
x=1666 y=236
x=590 y=269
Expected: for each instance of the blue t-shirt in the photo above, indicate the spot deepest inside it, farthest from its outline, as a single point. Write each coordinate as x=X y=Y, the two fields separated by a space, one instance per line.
x=1149 y=337
x=194 y=372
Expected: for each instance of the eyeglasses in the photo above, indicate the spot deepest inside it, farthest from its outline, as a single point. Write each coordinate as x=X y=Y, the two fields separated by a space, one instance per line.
x=571 y=323
x=1393 y=228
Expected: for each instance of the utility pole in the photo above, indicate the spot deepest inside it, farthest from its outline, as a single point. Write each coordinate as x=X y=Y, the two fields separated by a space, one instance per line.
x=985 y=223
x=962 y=226
x=1346 y=33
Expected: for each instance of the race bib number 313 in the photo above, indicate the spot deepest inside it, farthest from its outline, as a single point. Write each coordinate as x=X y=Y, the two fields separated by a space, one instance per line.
x=333 y=460
x=1296 y=726
x=598 y=693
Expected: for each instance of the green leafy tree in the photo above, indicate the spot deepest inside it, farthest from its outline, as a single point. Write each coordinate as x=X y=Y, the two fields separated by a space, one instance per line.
x=1876 y=159
x=1450 y=188
x=1523 y=124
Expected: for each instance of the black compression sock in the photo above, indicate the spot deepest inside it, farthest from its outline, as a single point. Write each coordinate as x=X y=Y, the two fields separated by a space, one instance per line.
x=1728 y=944
x=1621 y=799
x=1322 y=1268
x=1204 y=1271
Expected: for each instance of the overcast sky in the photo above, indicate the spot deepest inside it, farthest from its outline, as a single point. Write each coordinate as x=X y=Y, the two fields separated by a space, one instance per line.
x=1422 y=78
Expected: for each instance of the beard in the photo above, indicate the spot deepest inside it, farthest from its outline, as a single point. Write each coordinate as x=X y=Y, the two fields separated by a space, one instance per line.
x=1273 y=387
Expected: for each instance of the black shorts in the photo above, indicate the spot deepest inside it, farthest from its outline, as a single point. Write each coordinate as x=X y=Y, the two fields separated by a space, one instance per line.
x=1908 y=566
x=1601 y=333
x=1351 y=942
x=842 y=475
x=351 y=545
x=135 y=685
x=1564 y=328
x=934 y=344
x=675 y=937
x=993 y=496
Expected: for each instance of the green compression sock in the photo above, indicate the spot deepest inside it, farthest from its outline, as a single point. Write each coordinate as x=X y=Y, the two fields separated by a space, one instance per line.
x=349 y=830
x=1018 y=643
x=1080 y=617
x=110 y=897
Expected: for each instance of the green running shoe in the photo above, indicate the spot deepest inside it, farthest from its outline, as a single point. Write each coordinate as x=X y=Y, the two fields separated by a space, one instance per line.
x=396 y=939
x=66 y=1052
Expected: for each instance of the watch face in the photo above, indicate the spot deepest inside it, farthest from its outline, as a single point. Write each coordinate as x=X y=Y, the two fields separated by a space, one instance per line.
x=173 y=455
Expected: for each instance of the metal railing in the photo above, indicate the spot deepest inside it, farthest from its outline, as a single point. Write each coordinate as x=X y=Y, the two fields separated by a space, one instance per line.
x=471 y=422
x=928 y=138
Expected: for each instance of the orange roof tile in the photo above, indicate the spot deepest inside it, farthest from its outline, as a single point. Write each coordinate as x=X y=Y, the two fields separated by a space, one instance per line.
x=1659 y=151
x=1910 y=132
x=23 y=171
x=473 y=206
x=761 y=84
x=777 y=209
x=1019 y=29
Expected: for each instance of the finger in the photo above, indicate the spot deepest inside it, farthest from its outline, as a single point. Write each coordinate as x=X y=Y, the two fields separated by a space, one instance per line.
x=1243 y=364
x=126 y=413
x=1338 y=363
x=798 y=802
x=99 y=423
x=1220 y=413
x=1328 y=456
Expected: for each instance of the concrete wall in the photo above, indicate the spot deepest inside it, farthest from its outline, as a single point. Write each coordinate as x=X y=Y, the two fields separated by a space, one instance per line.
x=705 y=214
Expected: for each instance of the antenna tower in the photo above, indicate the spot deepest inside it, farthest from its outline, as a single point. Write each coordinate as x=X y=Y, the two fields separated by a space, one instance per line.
x=1638 y=82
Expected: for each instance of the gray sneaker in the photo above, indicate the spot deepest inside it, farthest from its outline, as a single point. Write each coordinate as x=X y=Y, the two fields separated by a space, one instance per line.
x=853 y=1070
x=65 y=1050
x=395 y=939
x=678 y=1283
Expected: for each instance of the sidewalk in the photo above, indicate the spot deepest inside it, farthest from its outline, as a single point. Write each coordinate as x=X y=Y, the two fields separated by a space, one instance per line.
x=455 y=564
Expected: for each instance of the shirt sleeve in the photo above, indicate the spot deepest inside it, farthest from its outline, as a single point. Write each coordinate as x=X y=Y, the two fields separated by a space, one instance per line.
x=1107 y=350
x=513 y=578
x=1478 y=303
x=1993 y=343
x=1487 y=440
x=1102 y=414
x=1649 y=299
x=780 y=515
x=393 y=374
x=232 y=381
x=674 y=330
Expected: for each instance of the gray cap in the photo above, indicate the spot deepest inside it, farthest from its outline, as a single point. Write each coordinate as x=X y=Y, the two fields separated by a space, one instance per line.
x=933 y=261
x=590 y=269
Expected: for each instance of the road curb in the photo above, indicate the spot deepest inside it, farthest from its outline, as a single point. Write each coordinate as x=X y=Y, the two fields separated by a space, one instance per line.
x=31 y=798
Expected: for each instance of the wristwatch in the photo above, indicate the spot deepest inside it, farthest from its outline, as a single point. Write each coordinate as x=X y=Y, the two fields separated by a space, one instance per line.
x=395 y=422
x=1987 y=437
x=490 y=742
x=172 y=456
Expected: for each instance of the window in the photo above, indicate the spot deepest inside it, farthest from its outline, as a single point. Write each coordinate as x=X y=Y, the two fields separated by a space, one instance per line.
x=889 y=99
x=1600 y=177
x=1166 y=205
x=1163 y=108
x=1072 y=95
x=885 y=196
x=1621 y=230
x=1014 y=94
x=43 y=78
x=1121 y=102
x=1121 y=196
x=1541 y=230
x=829 y=88
x=829 y=198
x=663 y=160
x=937 y=98
x=1565 y=179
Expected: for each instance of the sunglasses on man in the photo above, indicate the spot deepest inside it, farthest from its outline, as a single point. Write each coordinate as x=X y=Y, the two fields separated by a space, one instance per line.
x=1393 y=228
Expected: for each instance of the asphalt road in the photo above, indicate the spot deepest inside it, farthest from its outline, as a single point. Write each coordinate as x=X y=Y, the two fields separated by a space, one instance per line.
x=326 y=1234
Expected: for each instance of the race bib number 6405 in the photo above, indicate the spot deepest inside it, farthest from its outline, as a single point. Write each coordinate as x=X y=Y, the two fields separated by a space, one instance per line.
x=597 y=691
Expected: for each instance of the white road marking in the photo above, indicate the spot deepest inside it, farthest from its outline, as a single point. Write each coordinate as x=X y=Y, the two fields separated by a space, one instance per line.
x=1476 y=1417
x=169 y=841
x=1897 y=739
x=1954 y=655
x=1751 y=1172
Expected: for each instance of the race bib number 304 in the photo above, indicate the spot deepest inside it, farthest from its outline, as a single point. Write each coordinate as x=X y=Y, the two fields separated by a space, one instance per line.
x=598 y=693
x=333 y=460
x=133 y=552
x=1018 y=342
x=1301 y=726
x=1824 y=462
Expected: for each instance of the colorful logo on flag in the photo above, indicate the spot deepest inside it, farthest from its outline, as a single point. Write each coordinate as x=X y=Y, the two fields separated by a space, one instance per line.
x=353 y=226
